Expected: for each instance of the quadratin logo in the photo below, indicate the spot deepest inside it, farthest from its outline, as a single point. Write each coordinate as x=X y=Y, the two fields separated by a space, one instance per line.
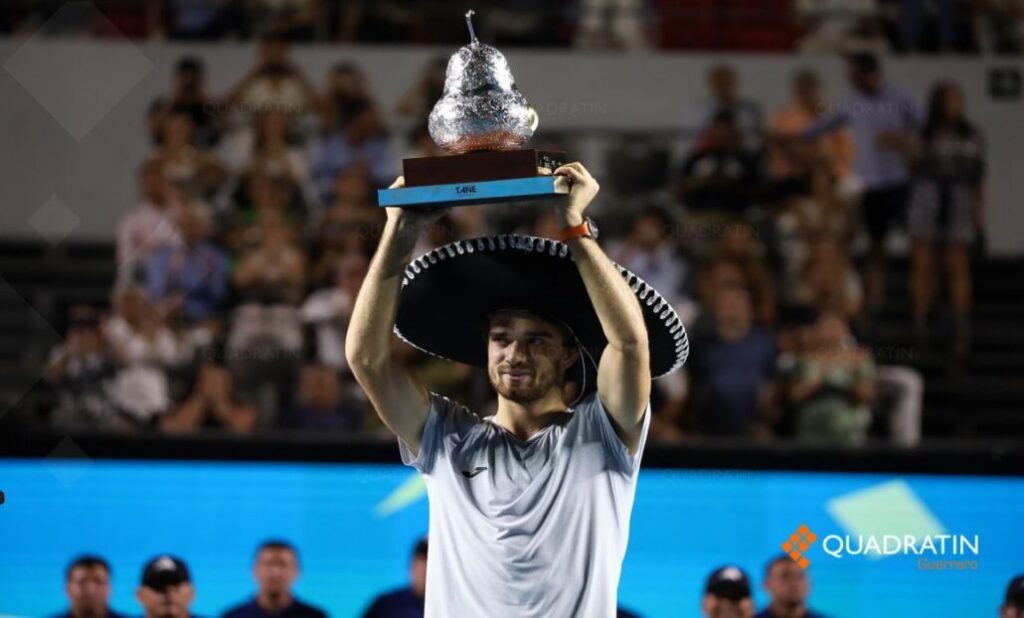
x=798 y=543
x=842 y=546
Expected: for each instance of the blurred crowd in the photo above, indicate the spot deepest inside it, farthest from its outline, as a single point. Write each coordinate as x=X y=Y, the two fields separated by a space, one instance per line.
x=844 y=26
x=167 y=590
x=256 y=222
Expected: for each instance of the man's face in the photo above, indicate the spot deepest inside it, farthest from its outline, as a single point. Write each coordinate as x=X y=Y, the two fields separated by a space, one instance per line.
x=88 y=588
x=275 y=570
x=352 y=186
x=319 y=388
x=787 y=583
x=732 y=309
x=526 y=356
x=649 y=231
x=351 y=273
x=170 y=602
x=717 y=607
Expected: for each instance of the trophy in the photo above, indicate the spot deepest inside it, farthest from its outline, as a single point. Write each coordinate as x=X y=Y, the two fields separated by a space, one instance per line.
x=481 y=120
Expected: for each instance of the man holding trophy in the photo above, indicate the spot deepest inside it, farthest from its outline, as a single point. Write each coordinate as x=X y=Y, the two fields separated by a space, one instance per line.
x=530 y=507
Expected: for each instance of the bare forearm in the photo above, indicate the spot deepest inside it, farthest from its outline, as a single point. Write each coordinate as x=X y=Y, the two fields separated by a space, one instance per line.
x=376 y=306
x=616 y=306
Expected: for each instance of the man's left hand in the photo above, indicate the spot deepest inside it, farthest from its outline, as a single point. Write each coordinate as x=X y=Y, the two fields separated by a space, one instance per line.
x=582 y=189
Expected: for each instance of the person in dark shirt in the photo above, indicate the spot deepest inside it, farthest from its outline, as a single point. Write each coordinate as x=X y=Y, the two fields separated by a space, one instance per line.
x=166 y=589
x=947 y=212
x=187 y=96
x=320 y=405
x=788 y=586
x=719 y=176
x=276 y=568
x=87 y=584
x=734 y=366
x=405 y=602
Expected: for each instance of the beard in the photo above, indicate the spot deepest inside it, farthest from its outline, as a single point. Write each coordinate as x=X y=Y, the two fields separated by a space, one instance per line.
x=532 y=388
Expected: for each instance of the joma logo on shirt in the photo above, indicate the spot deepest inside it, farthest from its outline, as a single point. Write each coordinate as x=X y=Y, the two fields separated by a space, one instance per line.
x=468 y=474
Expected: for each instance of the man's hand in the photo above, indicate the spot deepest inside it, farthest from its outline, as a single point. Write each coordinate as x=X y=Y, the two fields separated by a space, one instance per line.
x=582 y=189
x=414 y=218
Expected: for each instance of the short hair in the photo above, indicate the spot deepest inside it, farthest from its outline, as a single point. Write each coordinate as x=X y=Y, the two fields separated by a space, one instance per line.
x=864 y=61
x=276 y=544
x=568 y=339
x=86 y=561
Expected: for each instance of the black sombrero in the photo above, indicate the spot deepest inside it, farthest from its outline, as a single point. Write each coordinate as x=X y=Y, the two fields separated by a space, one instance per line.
x=449 y=292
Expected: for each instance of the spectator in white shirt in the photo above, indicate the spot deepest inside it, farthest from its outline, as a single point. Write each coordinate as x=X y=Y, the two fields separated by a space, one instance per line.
x=148 y=226
x=144 y=348
x=329 y=309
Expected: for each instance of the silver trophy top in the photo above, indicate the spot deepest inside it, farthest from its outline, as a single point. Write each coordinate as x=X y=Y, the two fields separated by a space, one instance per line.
x=481 y=108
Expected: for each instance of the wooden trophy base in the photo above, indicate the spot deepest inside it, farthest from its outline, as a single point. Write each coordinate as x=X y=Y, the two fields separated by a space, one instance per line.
x=475 y=178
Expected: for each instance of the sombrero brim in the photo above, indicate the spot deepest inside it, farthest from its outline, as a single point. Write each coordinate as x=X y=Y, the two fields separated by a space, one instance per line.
x=449 y=292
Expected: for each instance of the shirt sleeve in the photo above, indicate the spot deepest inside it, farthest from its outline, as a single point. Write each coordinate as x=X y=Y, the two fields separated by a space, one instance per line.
x=445 y=418
x=615 y=449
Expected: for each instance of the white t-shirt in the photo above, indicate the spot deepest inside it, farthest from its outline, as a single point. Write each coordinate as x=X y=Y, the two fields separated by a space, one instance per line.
x=534 y=528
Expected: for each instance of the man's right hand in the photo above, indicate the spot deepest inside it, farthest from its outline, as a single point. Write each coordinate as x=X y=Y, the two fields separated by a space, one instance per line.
x=418 y=218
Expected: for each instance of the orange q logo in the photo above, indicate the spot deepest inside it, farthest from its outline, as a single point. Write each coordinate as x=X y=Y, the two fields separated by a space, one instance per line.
x=798 y=543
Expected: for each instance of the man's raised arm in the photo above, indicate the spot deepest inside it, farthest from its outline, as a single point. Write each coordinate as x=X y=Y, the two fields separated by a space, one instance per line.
x=624 y=373
x=401 y=401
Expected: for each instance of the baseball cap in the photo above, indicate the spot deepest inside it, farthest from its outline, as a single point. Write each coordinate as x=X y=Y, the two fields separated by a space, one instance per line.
x=164 y=571
x=728 y=582
x=421 y=548
x=1015 y=591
